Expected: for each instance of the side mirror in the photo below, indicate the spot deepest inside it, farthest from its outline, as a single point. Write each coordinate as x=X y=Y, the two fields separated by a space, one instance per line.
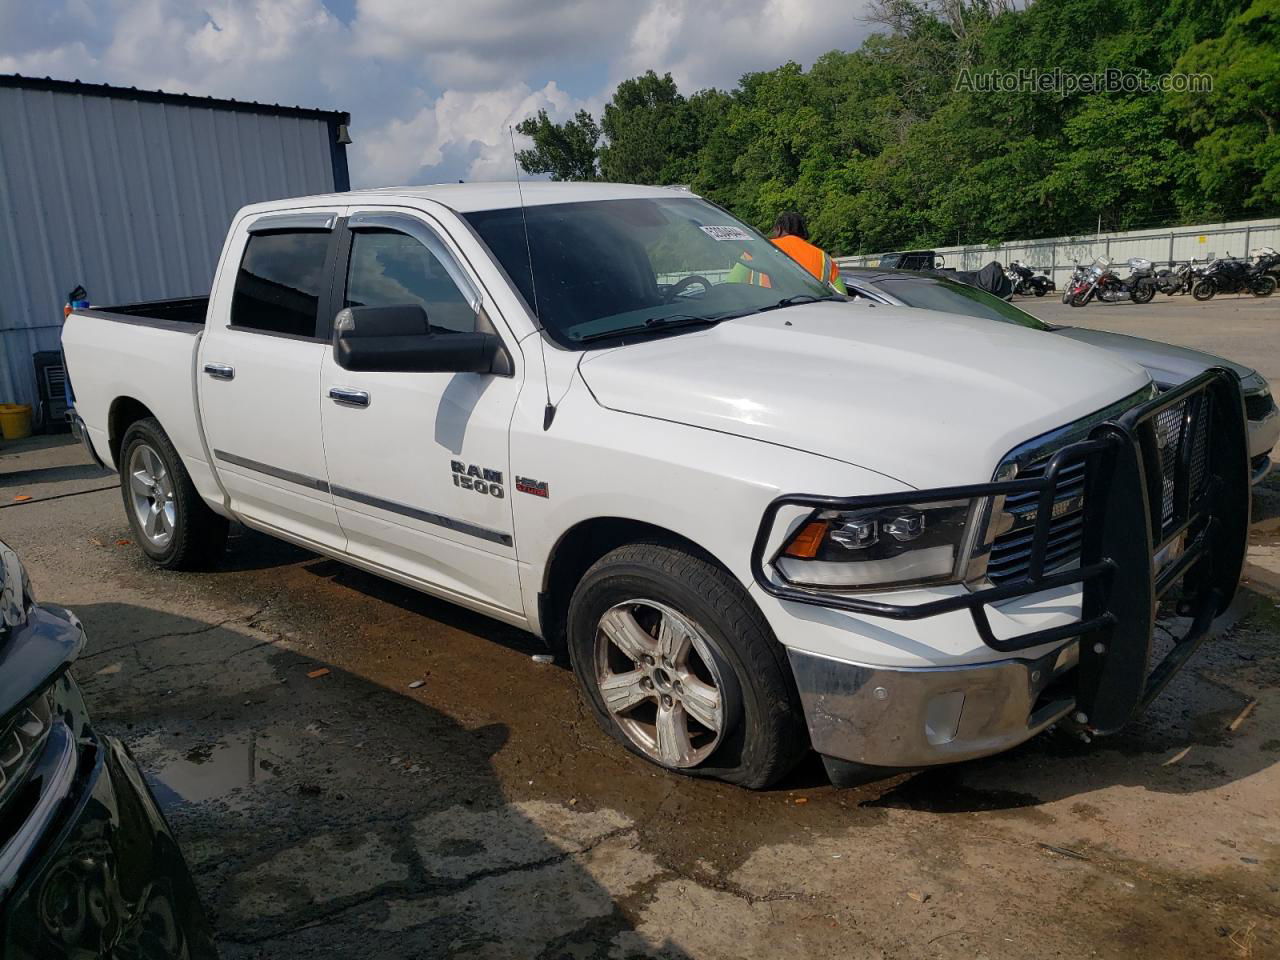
x=398 y=339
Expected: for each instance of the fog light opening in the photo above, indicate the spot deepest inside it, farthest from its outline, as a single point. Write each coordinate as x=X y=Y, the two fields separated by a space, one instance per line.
x=942 y=717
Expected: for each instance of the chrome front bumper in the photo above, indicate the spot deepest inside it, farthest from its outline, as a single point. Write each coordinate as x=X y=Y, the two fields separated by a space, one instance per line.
x=911 y=717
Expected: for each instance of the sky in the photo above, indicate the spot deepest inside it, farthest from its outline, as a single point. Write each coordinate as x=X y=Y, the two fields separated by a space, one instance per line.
x=432 y=86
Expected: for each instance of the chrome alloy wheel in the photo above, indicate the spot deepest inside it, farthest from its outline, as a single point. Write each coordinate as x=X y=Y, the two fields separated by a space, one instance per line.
x=659 y=679
x=151 y=491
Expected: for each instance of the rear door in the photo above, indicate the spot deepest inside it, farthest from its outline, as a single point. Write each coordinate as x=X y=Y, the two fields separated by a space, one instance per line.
x=419 y=462
x=259 y=374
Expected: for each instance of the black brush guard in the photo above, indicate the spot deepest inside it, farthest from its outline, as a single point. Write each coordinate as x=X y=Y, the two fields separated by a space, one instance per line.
x=1122 y=539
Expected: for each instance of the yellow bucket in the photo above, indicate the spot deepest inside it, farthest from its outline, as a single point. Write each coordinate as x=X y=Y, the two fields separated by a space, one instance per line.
x=15 y=420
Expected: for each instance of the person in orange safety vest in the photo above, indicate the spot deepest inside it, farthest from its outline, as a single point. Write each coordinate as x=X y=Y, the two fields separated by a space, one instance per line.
x=791 y=236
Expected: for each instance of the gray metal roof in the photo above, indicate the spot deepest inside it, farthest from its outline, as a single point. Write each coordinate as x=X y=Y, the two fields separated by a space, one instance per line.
x=160 y=96
x=130 y=193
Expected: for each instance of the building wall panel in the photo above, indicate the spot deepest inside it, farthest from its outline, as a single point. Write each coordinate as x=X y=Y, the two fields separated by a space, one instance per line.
x=131 y=198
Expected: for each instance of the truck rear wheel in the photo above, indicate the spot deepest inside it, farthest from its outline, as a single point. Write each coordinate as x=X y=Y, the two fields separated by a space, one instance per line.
x=681 y=668
x=170 y=522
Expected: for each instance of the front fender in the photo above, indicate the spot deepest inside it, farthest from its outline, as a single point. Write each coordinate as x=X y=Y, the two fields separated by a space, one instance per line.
x=707 y=487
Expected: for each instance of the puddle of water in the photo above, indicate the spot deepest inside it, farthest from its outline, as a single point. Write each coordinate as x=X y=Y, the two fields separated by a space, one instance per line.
x=208 y=771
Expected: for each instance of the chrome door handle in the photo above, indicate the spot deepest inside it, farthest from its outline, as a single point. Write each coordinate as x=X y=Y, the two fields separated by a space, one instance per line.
x=348 y=397
x=220 y=371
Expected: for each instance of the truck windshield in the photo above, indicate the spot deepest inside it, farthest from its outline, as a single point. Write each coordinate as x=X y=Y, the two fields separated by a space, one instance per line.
x=631 y=265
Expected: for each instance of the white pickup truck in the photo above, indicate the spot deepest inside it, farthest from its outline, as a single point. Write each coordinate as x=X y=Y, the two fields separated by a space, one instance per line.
x=758 y=516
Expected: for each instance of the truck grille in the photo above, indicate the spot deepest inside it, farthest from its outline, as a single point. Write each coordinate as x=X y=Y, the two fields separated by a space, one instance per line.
x=1011 y=551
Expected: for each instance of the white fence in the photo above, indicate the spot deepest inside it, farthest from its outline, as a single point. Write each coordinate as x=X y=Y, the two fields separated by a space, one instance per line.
x=1059 y=254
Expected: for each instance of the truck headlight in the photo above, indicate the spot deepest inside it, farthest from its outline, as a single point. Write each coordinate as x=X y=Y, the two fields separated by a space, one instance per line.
x=896 y=546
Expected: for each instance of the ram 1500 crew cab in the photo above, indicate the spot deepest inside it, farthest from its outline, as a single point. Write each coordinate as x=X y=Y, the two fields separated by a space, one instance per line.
x=757 y=516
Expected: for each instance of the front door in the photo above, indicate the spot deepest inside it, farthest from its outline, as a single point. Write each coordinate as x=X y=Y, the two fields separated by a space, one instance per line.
x=418 y=462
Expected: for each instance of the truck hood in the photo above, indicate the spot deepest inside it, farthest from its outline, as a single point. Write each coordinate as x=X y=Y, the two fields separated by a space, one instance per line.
x=1167 y=364
x=929 y=399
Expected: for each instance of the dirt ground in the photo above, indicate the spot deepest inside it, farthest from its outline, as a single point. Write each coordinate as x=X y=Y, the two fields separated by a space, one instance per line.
x=483 y=815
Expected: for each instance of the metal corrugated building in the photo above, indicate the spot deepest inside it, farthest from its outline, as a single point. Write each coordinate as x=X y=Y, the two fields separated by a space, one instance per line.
x=130 y=193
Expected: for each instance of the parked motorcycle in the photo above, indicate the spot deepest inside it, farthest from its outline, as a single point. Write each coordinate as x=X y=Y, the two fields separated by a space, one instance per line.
x=1077 y=274
x=1102 y=282
x=1233 y=275
x=1267 y=260
x=1026 y=282
x=1178 y=279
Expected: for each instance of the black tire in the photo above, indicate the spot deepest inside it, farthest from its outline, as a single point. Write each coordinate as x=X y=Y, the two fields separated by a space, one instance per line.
x=1204 y=290
x=198 y=535
x=1144 y=293
x=1039 y=291
x=1080 y=299
x=1262 y=286
x=763 y=733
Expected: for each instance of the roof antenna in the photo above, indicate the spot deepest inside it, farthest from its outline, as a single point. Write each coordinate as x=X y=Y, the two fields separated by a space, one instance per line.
x=549 y=411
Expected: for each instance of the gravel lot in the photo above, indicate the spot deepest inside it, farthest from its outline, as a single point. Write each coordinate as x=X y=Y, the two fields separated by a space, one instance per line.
x=483 y=815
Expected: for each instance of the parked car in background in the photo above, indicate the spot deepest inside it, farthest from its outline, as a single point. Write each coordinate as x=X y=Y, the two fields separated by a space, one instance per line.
x=88 y=867
x=912 y=260
x=1168 y=365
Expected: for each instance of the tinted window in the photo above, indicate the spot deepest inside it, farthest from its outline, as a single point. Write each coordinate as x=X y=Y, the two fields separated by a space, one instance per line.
x=279 y=283
x=391 y=269
x=950 y=296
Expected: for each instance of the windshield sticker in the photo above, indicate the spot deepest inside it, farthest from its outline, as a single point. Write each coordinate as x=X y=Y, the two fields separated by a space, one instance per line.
x=726 y=233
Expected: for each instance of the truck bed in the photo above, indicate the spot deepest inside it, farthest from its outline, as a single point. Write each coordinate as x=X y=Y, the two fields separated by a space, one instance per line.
x=186 y=314
x=138 y=354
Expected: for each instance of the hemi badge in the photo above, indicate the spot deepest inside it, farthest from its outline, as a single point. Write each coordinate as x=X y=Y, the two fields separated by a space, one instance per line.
x=537 y=488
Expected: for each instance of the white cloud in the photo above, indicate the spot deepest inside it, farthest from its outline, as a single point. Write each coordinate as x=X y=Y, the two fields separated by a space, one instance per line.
x=472 y=125
x=63 y=61
x=482 y=43
x=711 y=43
x=432 y=87
x=263 y=50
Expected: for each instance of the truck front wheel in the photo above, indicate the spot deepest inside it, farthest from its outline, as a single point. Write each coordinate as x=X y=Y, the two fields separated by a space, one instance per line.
x=680 y=666
x=170 y=522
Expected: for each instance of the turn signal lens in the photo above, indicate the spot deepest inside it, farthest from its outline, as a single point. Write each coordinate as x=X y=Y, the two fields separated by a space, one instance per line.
x=805 y=544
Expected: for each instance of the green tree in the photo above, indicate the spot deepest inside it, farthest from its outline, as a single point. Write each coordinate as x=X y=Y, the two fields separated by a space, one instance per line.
x=1120 y=164
x=566 y=151
x=650 y=132
x=1237 y=153
x=880 y=148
